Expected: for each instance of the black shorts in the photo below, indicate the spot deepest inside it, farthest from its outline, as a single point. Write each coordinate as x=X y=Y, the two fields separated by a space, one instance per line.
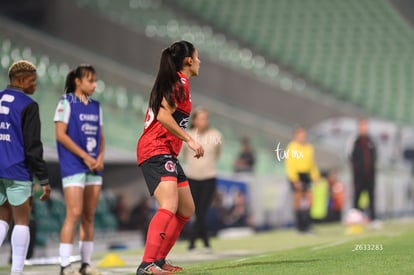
x=162 y=168
x=305 y=180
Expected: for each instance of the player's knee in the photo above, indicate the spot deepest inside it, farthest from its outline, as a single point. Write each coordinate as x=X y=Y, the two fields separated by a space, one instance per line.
x=188 y=210
x=74 y=213
x=191 y=210
x=88 y=217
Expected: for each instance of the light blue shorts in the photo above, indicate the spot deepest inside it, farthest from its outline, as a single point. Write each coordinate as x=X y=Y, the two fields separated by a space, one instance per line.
x=15 y=191
x=82 y=180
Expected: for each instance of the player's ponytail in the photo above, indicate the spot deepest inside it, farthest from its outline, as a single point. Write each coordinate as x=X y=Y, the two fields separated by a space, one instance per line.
x=167 y=83
x=70 y=85
x=80 y=72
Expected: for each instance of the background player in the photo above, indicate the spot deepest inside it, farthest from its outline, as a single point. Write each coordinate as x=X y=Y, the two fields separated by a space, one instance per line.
x=301 y=170
x=21 y=157
x=157 y=150
x=80 y=142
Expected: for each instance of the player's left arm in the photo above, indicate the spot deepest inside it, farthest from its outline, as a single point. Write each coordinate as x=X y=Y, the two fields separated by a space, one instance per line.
x=167 y=120
x=33 y=147
x=99 y=165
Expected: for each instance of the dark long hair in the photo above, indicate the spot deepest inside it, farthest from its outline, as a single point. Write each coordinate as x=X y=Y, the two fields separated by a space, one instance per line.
x=167 y=84
x=80 y=72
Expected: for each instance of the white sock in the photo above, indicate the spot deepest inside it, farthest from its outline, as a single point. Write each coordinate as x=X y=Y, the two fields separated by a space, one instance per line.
x=86 y=250
x=20 y=243
x=65 y=251
x=4 y=228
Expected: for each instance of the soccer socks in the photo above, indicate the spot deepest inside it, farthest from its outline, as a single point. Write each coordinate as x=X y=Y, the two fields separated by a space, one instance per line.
x=299 y=220
x=4 y=228
x=20 y=242
x=172 y=233
x=65 y=251
x=157 y=234
x=303 y=220
x=86 y=250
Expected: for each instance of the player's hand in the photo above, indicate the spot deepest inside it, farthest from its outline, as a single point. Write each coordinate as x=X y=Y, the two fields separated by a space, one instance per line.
x=197 y=148
x=46 y=192
x=89 y=161
x=99 y=164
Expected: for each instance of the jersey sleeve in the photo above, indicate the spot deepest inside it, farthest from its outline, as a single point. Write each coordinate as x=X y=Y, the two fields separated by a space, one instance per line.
x=62 y=113
x=32 y=143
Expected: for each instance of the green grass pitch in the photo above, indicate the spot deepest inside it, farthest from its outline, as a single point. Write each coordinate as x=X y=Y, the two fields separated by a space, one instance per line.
x=388 y=250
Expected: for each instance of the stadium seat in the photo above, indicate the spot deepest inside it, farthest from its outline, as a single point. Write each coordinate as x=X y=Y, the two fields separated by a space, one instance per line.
x=351 y=48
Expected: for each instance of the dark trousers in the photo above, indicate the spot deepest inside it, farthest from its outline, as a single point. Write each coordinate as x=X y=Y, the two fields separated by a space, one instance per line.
x=358 y=189
x=203 y=192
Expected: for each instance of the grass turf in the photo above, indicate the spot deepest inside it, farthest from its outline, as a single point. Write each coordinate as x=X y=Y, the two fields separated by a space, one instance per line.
x=329 y=251
x=337 y=255
x=331 y=258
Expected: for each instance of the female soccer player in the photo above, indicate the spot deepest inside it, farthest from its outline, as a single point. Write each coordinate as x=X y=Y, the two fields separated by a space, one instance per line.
x=301 y=170
x=80 y=142
x=157 y=150
x=21 y=156
x=202 y=172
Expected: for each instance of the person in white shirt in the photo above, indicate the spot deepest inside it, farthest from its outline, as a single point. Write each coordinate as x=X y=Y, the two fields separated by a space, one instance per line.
x=202 y=172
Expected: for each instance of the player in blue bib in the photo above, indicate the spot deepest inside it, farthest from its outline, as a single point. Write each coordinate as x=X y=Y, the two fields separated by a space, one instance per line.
x=21 y=158
x=80 y=143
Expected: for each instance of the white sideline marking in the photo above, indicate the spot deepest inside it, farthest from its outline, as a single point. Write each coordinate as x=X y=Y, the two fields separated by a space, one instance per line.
x=329 y=245
x=249 y=258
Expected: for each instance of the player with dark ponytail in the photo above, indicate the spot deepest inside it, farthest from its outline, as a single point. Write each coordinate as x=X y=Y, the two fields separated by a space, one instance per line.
x=80 y=142
x=157 y=150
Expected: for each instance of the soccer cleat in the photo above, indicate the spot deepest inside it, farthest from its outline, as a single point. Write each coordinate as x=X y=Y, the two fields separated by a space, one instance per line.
x=152 y=269
x=86 y=269
x=68 y=270
x=172 y=268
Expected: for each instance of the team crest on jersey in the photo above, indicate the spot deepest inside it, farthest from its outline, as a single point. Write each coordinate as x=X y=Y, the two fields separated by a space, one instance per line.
x=183 y=80
x=170 y=166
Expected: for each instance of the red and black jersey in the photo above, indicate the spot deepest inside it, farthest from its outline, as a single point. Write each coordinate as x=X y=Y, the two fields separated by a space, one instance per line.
x=156 y=140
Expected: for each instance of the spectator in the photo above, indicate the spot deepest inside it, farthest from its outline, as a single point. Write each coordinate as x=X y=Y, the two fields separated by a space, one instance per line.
x=363 y=160
x=336 y=197
x=121 y=212
x=246 y=159
x=202 y=172
x=140 y=216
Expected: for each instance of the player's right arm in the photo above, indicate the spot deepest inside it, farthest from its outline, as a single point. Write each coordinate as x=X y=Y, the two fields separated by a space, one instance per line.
x=167 y=120
x=61 y=124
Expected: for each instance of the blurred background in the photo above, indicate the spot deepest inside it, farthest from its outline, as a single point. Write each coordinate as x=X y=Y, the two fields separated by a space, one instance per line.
x=267 y=67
